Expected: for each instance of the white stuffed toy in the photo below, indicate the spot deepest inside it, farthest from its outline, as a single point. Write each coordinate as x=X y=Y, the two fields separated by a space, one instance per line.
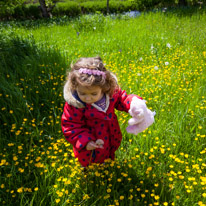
x=142 y=117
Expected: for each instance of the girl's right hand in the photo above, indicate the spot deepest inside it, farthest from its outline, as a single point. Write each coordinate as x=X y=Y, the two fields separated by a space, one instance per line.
x=92 y=145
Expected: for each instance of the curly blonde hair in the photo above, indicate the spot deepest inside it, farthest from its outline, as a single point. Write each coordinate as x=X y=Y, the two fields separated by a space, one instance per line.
x=108 y=83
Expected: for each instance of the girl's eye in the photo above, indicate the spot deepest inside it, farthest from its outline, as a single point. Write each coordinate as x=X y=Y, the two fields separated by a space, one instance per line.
x=94 y=94
x=82 y=94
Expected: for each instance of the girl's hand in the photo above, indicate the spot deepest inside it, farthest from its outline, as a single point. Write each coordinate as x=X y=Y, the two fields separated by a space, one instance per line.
x=92 y=145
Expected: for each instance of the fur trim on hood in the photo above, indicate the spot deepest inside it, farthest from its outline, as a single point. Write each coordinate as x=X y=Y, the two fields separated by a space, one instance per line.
x=69 y=98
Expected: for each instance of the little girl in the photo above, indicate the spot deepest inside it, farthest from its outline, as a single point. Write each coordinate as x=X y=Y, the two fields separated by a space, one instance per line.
x=89 y=122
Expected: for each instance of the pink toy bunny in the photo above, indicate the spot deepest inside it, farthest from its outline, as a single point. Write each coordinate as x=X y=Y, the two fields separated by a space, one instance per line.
x=142 y=117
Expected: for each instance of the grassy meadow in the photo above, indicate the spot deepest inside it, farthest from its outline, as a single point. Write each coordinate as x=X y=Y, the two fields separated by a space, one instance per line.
x=158 y=56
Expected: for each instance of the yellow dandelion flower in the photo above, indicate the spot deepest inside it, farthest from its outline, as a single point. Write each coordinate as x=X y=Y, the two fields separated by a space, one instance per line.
x=106 y=196
x=15 y=158
x=156 y=197
x=20 y=190
x=58 y=200
x=204 y=194
x=86 y=196
x=36 y=189
x=109 y=190
x=170 y=179
x=181 y=177
x=143 y=195
x=130 y=197
x=178 y=197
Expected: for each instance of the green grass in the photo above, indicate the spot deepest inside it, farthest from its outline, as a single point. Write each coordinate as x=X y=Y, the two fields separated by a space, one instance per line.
x=159 y=56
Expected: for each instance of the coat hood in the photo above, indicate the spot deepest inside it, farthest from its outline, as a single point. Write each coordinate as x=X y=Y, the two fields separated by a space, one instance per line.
x=69 y=98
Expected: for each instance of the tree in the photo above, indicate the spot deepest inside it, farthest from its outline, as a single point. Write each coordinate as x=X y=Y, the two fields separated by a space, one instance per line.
x=46 y=7
x=107 y=6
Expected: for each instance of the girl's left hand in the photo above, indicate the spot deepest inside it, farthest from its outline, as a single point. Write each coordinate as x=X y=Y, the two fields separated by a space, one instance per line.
x=92 y=145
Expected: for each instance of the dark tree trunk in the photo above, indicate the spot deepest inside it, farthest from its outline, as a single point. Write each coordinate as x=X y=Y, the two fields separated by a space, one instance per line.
x=44 y=9
x=107 y=6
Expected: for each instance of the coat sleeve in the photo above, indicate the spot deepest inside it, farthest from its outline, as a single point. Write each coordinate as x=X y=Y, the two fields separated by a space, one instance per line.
x=123 y=100
x=74 y=127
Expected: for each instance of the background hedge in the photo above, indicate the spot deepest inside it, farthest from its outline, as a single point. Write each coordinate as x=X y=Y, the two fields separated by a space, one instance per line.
x=30 y=10
x=69 y=8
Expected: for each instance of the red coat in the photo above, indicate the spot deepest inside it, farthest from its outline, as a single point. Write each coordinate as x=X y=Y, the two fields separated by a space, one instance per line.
x=83 y=123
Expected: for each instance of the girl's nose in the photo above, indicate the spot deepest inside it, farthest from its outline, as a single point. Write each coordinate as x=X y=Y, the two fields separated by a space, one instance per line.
x=87 y=98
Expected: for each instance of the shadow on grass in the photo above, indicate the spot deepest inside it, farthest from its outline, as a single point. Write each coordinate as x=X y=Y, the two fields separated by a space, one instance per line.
x=184 y=11
x=31 y=82
x=37 y=23
x=123 y=182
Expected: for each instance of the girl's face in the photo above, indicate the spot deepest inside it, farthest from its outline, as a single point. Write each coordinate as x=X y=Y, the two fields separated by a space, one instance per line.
x=90 y=94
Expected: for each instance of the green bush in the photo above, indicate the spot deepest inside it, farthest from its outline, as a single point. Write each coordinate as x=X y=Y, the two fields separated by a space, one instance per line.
x=150 y=4
x=122 y=6
x=19 y=12
x=22 y=12
x=77 y=7
x=5 y=12
x=32 y=11
x=92 y=7
x=82 y=1
x=27 y=11
x=68 y=8
x=89 y=22
x=114 y=6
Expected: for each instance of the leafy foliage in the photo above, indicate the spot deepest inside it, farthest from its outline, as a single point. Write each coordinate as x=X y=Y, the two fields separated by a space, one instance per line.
x=8 y=6
x=17 y=10
x=69 y=8
x=87 y=23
